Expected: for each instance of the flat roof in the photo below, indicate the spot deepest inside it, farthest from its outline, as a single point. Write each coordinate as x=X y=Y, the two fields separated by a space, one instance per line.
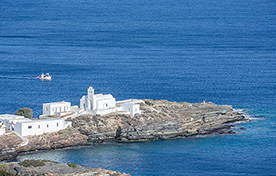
x=102 y=97
x=11 y=116
x=129 y=101
x=56 y=103
x=34 y=120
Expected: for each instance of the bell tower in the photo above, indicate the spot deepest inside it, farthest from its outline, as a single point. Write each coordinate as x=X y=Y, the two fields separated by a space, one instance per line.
x=90 y=98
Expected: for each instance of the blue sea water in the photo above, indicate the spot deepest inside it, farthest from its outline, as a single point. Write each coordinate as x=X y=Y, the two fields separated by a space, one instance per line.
x=220 y=51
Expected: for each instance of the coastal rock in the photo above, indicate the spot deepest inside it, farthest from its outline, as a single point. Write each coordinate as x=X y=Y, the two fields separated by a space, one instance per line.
x=8 y=144
x=5 y=141
x=64 y=138
x=160 y=119
x=49 y=168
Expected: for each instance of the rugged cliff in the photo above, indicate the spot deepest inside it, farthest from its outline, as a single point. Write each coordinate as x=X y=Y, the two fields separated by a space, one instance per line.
x=64 y=138
x=10 y=145
x=49 y=168
x=160 y=120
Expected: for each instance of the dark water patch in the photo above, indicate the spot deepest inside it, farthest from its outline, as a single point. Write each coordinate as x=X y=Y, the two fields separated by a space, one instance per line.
x=17 y=36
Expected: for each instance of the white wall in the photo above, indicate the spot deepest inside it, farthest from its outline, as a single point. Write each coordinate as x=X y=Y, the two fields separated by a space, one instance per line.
x=136 y=109
x=83 y=102
x=107 y=111
x=130 y=107
x=56 y=108
x=38 y=127
x=2 y=131
x=106 y=104
x=10 y=120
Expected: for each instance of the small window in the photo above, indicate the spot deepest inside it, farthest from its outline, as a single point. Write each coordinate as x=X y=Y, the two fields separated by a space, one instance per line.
x=53 y=109
x=57 y=124
x=47 y=125
x=29 y=127
x=38 y=126
x=106 y=105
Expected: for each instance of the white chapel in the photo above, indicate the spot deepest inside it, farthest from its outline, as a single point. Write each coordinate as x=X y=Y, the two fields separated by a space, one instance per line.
x=104 y=104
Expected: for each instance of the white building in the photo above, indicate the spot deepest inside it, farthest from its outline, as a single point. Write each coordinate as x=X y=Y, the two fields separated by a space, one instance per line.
x=10 y=120
x=97 y=101
x=38 y=127
x=104 y=104
x=2 y=129
x=56 y=108
x=24 y=126
x=131 y=106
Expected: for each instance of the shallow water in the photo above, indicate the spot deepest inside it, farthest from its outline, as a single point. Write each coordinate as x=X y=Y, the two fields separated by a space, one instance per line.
x=222 y=52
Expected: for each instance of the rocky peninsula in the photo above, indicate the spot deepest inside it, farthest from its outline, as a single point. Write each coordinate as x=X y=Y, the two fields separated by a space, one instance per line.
x=50 y=168
x=159 y=120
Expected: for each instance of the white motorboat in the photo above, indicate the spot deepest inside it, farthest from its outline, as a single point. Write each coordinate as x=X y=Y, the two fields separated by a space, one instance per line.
x=44 y=77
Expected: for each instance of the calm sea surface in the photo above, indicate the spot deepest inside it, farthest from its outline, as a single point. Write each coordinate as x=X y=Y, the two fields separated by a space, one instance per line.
x=219 y=51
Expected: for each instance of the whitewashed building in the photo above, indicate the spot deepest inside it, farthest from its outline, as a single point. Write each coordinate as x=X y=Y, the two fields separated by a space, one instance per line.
x=38 y=127
x=24 y=126
x=9 y=120
x=131 y=106
x=97 y=101
x=104 y=104
x=56 y=108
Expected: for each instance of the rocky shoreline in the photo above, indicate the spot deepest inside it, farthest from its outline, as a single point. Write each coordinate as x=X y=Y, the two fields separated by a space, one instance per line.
x=159 y=120
x=51 y=168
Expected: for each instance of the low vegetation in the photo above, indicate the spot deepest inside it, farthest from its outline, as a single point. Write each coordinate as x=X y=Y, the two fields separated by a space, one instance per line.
x=50 y=161
x=148 y=103
x=3 y=170
x=34 y=163
x=72 y=165
x=26 y=112
x=68 y=131
x=3 y=173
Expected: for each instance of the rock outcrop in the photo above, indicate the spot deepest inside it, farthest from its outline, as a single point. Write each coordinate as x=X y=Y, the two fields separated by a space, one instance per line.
x=65 y=138
x=49 y=168
x=160 y=120
x=10 y=144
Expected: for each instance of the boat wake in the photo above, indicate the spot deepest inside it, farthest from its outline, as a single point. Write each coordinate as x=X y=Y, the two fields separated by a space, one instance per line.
x=247 y=114
x=16 y=77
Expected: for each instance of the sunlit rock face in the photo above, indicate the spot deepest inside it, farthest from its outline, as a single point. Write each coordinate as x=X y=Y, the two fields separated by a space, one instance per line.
x=159 y=120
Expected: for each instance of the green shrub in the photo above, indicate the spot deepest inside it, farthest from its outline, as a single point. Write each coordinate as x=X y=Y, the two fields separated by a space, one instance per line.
x=72 y=165
x=26 y=112
x=3 y=170
x=2 y=173
x=68 y=131
x=4 y=167
x=34 y=163
x=50 y=161
x=148 y=103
